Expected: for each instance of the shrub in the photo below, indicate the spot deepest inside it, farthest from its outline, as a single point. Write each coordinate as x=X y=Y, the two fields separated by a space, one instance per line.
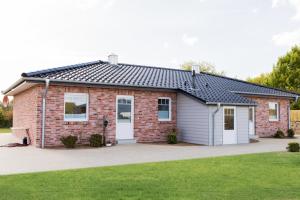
x=172 y=137
x=69 y=141
x=293 y=147
x=96 y=140
x=279 y=134
x=291 y=133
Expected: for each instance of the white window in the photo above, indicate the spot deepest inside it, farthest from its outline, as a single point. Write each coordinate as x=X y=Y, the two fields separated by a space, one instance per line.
x=76 y=107
x=273 y=111
x=229 y=122
x=164 y=109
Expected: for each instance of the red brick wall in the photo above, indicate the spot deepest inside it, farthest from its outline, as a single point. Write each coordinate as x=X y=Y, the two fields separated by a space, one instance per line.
x=102 y=102
x=25 y=112
x=264 y=127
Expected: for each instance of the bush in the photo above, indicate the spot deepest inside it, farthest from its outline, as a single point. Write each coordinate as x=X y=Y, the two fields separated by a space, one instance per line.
x=291 y=133
x=279 y=134
x=96 y=140
x=69 y=141
x=293 y=147
x=172 y=137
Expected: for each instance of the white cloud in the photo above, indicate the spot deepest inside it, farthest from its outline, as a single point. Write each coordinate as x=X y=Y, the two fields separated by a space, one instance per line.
x=166 y=45
x=189 y=40
x=287 y=38
x=108 y=4
x=276 y=3
x=255 y=10
x=293 y=3
x=174 y=61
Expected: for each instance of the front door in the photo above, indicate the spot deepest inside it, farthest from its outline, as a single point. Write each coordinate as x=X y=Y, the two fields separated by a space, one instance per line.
x=124 y=118
x=251 y=121
x=229 y=125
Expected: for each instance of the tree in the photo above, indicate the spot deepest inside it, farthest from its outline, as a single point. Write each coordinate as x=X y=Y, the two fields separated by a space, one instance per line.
x=262 y=79
x=203 y=66
x=285 y=74
x=6 y=115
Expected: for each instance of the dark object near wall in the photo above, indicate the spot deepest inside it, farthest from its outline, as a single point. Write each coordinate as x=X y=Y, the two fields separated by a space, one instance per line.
x=25 y=141
x=96 y=140
x=279 y=134
x=293 y=147
x=69 y=141
x=290 y=133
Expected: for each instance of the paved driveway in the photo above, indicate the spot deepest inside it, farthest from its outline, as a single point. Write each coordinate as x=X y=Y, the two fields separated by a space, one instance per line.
x=31 y=159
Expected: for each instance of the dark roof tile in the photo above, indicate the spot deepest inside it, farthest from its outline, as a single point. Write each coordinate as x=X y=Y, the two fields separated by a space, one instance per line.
x=209 y=88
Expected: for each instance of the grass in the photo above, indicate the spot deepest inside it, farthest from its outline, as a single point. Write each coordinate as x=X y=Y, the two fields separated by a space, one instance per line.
x=5 y=130
x=255 y=176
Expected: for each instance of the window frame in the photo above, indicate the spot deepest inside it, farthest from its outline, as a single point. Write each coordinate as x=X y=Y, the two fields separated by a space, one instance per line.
x=234 y=119
x=87 y=107
x=277 y=111
x=170 y=110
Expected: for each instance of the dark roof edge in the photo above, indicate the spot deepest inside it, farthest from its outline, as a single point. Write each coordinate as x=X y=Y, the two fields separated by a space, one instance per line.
x=232 y=104
x=42 y=80
x=190 y=95
x=264 y=94
x=57 y=69
x=247 y=82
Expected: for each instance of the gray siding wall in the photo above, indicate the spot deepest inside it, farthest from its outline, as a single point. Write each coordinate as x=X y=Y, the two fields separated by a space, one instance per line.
x=242 y=114
x=192 y=120
x=242 y=125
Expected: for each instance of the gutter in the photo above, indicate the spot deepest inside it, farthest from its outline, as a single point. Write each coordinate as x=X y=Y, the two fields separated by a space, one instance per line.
x=14 y=85
x=47 y=82
x=213 y=123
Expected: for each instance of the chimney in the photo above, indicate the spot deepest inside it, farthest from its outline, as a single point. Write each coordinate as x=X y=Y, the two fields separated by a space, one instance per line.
x=195 y=69
x=113 y=59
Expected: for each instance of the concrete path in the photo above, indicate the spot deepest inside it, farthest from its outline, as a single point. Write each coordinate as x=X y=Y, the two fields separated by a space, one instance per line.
x=31 y=159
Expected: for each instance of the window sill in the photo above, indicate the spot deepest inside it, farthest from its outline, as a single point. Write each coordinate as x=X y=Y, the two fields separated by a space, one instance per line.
x=273 y=120
x=75 y=122
x=164 y=120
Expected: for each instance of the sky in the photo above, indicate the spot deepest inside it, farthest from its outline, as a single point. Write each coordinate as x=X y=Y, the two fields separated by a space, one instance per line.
x=241 y=37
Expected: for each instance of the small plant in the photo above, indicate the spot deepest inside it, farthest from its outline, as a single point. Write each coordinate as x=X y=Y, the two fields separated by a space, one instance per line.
x=279 y=134
x=69 y=141
x=293 y=147
x=172 y=137
x=96 y=140
x=290 y=133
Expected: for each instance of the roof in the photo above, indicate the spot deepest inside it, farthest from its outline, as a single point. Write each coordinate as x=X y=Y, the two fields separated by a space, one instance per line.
x=209 y=88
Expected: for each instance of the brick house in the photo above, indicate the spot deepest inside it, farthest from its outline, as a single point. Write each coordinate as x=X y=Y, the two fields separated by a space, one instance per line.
x=142 y=103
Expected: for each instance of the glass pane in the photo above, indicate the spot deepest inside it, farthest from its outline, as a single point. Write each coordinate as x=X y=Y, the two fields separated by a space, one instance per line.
x=273 y=110
x=124 y=111
x=251 y=114
x=163 y=109
x=75 y=106
x=229 y=119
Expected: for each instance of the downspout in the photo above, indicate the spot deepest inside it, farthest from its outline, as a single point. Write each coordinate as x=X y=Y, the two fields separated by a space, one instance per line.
x=47 y=82
x=213 y=123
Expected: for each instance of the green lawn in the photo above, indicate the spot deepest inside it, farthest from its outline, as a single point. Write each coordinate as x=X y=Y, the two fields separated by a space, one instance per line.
x=5 y=130
x=256 y=176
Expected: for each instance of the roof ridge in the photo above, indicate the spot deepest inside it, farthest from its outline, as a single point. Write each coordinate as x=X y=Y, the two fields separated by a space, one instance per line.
x=57 y=69
x=157 y=67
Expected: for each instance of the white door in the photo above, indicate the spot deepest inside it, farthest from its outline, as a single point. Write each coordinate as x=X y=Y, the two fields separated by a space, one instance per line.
x=229 y=125
x=124 y=118
x=251 y=121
